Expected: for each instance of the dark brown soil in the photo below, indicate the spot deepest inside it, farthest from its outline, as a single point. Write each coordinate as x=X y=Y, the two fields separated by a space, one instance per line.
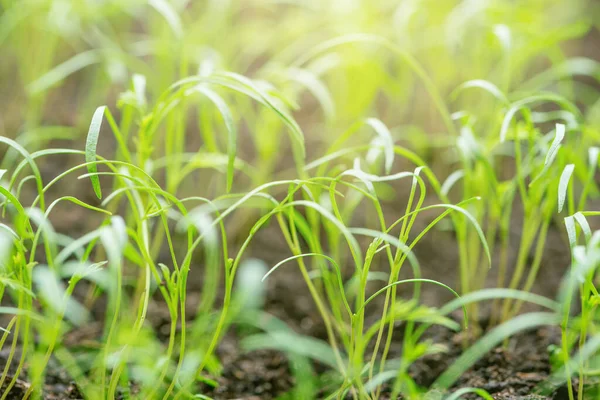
x=261 y=374
x=507 y=372
x=516 y=371
x=58 y=384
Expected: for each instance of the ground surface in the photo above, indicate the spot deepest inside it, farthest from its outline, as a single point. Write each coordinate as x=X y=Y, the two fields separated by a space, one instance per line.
x=506 y=373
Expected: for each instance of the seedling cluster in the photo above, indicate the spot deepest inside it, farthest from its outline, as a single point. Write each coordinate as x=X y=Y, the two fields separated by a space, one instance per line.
x=211 y=125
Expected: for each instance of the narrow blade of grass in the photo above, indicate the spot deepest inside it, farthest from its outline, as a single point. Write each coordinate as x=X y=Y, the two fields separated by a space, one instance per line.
x=231 y=130
x=293 y=343
x=384 y=133
x=563 y=185
x=165 y=9
x=91 y=144
x=62 y=71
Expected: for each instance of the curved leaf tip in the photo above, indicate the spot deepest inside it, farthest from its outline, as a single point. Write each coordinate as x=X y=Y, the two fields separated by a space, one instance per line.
x=563 y=185
x=90 y=148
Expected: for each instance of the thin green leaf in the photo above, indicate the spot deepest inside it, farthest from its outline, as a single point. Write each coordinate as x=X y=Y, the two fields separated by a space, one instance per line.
x=241 y=83
x=9 y=230
x=91 y=144
x=583 y=223
x=482 y=84
x=139 y=88
x=28 y=158
x=384 y=133
x=519 y=105
x=250 y=290
x=451 y=180
x=291 y=342
x=416 y=280
x=563 y=185
x=460 y=392
x=558 y=138
x=62 y=71
x=379 y=379
x=471 y=219
x=498 y=293
x=52 y=291
x=553 y=151
x=333 y=263
x=593 y=153
x=312 y=82
x=574 y=66
x=571 y=231
x=352 y=242
x=165 y=9
x=502 y=32
x=231 y=130
x=24 y=221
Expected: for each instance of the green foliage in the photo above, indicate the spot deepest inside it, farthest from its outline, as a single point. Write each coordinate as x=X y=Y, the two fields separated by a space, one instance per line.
x=349 y=130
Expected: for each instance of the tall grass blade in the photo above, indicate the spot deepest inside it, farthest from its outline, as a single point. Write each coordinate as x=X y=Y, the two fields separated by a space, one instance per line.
x=165 y=9
x=231 y=130
x=62 y=71
x=91 y=144
x=563 y=185
x=384 y=133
